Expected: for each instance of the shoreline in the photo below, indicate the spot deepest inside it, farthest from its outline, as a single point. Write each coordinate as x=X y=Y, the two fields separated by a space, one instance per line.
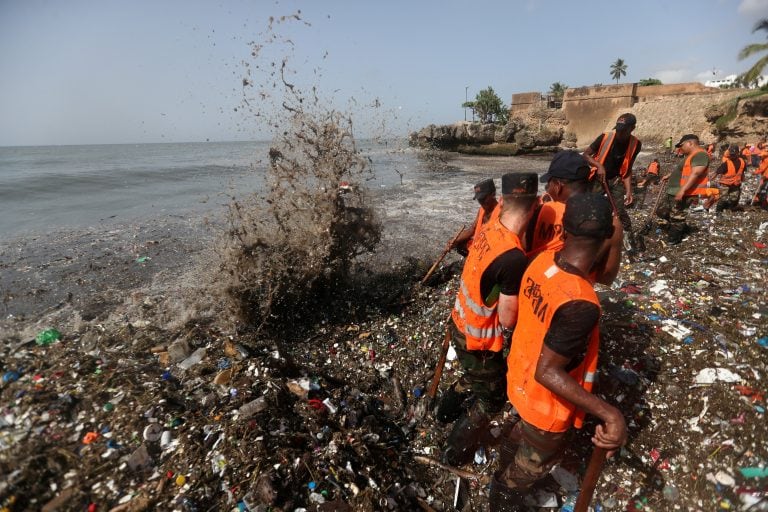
x=367 y=368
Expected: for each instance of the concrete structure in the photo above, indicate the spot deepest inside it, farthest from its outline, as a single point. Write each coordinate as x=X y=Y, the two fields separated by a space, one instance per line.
x=729 y=80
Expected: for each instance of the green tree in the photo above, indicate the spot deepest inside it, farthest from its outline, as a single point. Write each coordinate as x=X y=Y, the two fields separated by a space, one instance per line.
x=753 y=73
x=557 y=90
x=650 y=81
x=618 y=69
x=488 y=107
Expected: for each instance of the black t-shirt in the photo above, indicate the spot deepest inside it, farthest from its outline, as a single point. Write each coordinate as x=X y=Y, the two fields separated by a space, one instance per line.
x=615 y=157
x=503 y=275
x=572 y=323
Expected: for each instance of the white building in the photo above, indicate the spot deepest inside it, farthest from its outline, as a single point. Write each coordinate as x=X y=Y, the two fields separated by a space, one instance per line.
x=731 y=79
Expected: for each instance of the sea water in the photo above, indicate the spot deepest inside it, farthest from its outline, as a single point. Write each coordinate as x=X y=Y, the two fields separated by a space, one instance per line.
x=44 y=189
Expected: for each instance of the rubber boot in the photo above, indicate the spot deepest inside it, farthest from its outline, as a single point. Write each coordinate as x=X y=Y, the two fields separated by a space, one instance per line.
x=502 y=498
x=450 y=406
x=465 y=437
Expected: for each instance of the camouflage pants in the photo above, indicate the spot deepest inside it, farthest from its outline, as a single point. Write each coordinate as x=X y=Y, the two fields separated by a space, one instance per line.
x=537 y=452
x=729 y=197
x=485 y=372
x=616 y=186
x=675 y=214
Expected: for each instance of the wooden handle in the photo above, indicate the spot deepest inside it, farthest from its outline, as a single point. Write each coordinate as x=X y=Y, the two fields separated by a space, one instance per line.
x=610 y=196
x=594 y=469
x=432 y=391
x=434 y=265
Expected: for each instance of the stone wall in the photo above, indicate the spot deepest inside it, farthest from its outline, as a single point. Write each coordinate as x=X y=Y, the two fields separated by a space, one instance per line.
x=524 y=101
x=589 y=109
x=672 y=116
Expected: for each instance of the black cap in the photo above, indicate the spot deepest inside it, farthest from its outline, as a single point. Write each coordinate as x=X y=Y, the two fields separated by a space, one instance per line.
x=588 y=215
x=733 y=149
x=519 y=183
x=625 y=121
x=685 y=138
x=484 y=188
x=567 y=165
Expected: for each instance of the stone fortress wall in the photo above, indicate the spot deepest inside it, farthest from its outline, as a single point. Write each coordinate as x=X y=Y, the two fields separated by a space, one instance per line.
x=662 y=110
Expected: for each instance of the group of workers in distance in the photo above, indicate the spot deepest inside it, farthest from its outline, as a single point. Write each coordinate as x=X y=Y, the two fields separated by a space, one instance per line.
x=525 y=320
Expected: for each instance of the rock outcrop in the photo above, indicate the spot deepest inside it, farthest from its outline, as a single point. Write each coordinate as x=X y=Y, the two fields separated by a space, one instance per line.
x=518 y=135
x=742 y=121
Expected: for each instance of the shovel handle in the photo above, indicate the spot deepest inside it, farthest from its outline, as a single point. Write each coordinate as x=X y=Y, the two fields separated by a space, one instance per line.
x=594 y=469
x=434 y=265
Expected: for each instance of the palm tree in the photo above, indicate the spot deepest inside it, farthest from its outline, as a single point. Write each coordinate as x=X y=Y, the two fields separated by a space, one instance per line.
x=557 y=90
x=618 y=69
x=753 y=73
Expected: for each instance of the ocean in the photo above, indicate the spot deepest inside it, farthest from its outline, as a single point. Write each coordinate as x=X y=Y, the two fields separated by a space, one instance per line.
x=45 y=189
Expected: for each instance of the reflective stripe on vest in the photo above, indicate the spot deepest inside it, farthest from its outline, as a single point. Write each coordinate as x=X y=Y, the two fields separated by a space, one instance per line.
x=701 y=184
x=605 y=149
x=478 y=321
x=545 y=288
x=733 y=175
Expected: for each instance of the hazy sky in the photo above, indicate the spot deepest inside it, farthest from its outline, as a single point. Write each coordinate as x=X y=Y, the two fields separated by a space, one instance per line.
x=79 y=72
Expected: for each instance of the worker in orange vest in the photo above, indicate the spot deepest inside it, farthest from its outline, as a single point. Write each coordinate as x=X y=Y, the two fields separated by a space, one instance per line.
x=567 y=176
x=761 y=195
x=485 y=194
x=685 y=184
x=553 y=359
x=613 y=154
x=651 y=174
x=485 y=311
x=731 y=174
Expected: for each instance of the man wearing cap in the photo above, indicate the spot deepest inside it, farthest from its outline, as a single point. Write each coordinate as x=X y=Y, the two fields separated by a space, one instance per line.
x=686 y=182
x=731 y=174
x=553 y=359
x=612 y=154
x=485 y=194
x=485 y=311
x=567 y=176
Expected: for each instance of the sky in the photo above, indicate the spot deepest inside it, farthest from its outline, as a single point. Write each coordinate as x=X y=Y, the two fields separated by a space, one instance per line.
x=101 y=72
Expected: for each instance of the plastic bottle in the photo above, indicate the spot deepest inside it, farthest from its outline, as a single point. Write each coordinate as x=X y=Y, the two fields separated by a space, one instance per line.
x=47 y=336
x=253 y=407
x=570 y=502
x=192 y=360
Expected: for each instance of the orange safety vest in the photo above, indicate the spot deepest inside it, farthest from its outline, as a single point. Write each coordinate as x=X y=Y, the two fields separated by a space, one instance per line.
x=701 y=184
x=763 y=168
x=653 y=168
x=733 y=176
x=605 y=148
x=546 y=287
x=548 y=232
x=479 y=224
x=726 y=155
x=746 y=152
x=478 y=321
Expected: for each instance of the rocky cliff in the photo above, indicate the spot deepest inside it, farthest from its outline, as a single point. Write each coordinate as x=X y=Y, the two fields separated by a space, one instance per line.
x=523 y=134
x=743 y=120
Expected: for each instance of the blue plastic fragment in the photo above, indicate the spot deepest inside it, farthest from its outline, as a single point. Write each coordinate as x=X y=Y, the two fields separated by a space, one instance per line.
x=688 y=340
x=312 y=485
x=763 y=342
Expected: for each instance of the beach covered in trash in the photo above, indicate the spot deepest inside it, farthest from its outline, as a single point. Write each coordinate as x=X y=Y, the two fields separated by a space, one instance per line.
x=138 y=406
